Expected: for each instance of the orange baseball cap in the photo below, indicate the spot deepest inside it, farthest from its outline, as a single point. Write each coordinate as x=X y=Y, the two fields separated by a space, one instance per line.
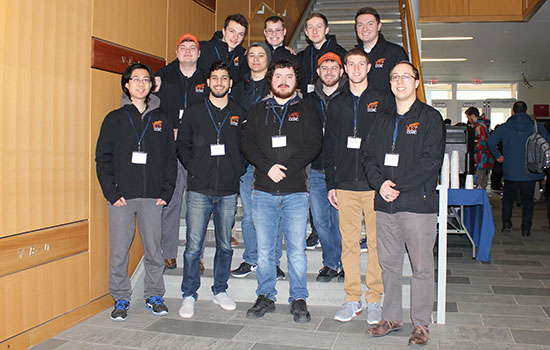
x=329 y=56
x=188 y=36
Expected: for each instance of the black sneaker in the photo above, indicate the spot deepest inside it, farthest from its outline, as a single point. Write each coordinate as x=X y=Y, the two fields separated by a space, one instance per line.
x=341 y=276
x=507 y=227
x=243 y=270
x=156 y=304
x=120 y=312
x=326 y=274
x=312 y=241
x=299 y=310
x=261 y=307
x=280 y=274
x=526 y=233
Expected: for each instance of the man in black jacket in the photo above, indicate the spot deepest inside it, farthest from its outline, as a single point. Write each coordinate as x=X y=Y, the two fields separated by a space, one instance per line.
x=319 y=43
x=280 y=137
x=383 y=54
x=349 y=119
x=136 y=168
x=182 y=85
x=208 y=147
x=402 y=160
x=225 y=45
x=275 y=31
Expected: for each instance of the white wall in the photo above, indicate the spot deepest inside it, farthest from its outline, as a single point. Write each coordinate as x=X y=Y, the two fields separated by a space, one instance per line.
x=539 y=94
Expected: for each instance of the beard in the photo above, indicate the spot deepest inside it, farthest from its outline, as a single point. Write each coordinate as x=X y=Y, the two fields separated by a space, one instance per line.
x=330 y=83
x=219 y=94
x=283 y=94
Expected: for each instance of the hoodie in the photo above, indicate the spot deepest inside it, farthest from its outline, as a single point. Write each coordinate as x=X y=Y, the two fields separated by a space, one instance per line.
x=217 y=50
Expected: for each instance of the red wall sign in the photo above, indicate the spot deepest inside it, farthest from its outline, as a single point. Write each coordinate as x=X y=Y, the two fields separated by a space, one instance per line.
x=115 y=58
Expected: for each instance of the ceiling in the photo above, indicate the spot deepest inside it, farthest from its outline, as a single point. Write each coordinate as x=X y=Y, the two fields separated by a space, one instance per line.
x=512 y=46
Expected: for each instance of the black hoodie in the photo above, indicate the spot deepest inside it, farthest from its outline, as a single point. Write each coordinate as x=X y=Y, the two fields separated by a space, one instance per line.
x=281 y=53
x=307 y=60
x=248 y=92
x=383 y=57
x=217 y=50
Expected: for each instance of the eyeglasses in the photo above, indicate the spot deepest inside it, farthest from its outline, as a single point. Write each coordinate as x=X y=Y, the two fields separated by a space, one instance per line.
x=137 y=80
x=273 y=31
x=404 y=78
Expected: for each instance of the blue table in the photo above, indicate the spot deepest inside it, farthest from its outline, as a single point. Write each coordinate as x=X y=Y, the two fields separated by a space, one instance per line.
x=478 y=218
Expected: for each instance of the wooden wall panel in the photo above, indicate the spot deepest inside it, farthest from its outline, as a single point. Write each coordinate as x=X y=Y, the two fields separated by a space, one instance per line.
x=44 y=106
x=495 y=7
x=31 y=297
x=442 y=8
x=226 y=8
x=138 y=24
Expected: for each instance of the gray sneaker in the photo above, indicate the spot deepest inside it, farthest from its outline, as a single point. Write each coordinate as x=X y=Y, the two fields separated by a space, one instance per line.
x=374 y=313
x=348 y=310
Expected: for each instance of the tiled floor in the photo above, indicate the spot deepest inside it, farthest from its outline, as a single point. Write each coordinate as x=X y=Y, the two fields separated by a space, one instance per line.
x=503 y=305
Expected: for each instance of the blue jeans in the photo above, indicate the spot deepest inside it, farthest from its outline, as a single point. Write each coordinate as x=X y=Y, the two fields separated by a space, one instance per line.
x=325 y=220
x=250 y=254
x=271 y=213
x=199 y=209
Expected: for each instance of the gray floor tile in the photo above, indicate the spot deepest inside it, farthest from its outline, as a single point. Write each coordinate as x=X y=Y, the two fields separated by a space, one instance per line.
x=456 y=280
x=353 y=326
x=514 y=282
x=481 y=298
x=535 y=276
x=482 y=273
x=517 y=262
x=458 y=319
x=547 y=310
x=396 y=340
x=262 y=346
x=532 y=300
x=495 y=309
x=74 y=345
x=49 y=344
x=517 y=322
x=137 y=319
x=531 y=337
x=521 y=291
x=276 y=320
x=507 y=243
x=287 y=337
x=185 y=342
x=474 y=334
x=195 y=328
x=450 y=306
x=469 y=288
x=526 y=252
x=112 y=336
x=461 y=345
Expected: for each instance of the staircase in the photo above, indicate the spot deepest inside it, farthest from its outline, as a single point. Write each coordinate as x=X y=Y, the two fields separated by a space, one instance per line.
x=341 y=18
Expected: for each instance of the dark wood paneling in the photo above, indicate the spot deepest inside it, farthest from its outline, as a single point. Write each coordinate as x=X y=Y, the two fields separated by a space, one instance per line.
x=116 y=58
x=209 y=4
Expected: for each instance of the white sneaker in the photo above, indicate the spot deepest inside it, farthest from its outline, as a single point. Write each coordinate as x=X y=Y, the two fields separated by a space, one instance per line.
x=223 y=300
x=348 y=310
x=187 y=308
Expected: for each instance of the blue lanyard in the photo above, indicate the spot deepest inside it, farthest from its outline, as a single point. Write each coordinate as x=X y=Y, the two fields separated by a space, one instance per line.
x=220 y=57
x=135 y=131
x=311 y=59
x=218 y=129
x=185 y=95
x=395 y=131
x=355 y=107
x=281 y=119
x=323 y=112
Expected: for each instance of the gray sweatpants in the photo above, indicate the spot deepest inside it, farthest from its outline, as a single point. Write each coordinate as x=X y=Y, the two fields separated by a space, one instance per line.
x=122 y=224
x=171 y=217
x=417 y=233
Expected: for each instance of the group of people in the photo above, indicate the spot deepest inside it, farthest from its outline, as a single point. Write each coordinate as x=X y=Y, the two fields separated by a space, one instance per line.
x=335 y=133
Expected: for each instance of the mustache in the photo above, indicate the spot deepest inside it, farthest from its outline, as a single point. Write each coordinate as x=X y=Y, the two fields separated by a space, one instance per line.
x=283 y=85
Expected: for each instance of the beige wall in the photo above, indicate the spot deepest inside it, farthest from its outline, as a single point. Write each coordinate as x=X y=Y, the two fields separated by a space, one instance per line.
x=539 y=94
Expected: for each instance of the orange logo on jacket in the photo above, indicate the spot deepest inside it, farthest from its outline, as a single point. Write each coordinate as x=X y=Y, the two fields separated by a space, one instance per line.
x=294 y=117
x=372 y=107
x=412 y=129
x=157 y=125
x=199 y=88
x=234 y=120
x=379 y=63
x=236 y=61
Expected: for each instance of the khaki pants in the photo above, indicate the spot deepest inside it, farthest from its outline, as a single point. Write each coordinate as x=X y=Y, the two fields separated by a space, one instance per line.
x=353 y=205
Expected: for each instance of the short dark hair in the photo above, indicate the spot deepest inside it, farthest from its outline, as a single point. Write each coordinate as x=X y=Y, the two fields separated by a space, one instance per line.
x=472 y=110
x=415 y=71
x=356 y=51
x=128 y=74
x=219 y=65
x=319 y=15
x=519 y=107
x=274 y=19
x=237 y=18
x=283 y=63
x=367 y=10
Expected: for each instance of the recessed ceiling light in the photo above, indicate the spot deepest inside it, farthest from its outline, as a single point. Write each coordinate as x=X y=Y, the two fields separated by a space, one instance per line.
x=443 y=59
x=447 y=38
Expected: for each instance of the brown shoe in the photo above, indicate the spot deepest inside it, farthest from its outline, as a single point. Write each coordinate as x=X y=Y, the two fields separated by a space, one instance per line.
x=201 y=266
x=234 y=242
x=384 y=327
x=420 y=335
x=170 y=264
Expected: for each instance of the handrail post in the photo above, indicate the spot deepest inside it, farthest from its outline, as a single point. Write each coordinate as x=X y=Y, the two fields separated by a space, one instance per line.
x=415 y=52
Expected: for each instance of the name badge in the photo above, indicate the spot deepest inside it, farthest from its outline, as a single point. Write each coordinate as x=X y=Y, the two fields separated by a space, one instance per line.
x=354 y=142
x=278 y=141
x=217 y=150
x=139 y=157
x=310 y=88
x=181 y=114
x=391 y=159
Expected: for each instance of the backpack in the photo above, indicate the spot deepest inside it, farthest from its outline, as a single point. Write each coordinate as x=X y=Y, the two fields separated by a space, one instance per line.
x=537 y=153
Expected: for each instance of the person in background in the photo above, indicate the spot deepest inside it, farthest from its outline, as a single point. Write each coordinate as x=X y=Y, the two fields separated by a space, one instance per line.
x=483 y=158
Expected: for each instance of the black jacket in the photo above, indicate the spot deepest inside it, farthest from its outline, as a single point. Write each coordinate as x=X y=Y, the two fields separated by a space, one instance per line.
x=116 y=173
x=281 y=53
x=420 y=143
x=320 y=102
x=302 y=129
x=177 y=92
x=211 y=175
x=342 y=164
x=216 y=50
x=248 y=92
x=383 y=57
x=307 y=60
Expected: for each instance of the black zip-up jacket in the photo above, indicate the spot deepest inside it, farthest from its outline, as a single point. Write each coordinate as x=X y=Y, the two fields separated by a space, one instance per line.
x=211 y=175
x=116 y=173
x=302 y=128
x=420 y=143
x=177 y=92
x=307 y=60
x=320 y=102
x=281 y=53
x=383 y=57
x=217 y=50
x=343 y=168
x=248 y=92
